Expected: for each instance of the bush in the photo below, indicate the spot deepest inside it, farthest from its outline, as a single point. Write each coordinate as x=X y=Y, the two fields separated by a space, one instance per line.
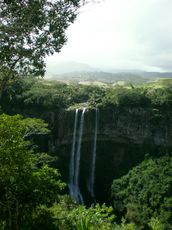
x=145 y=192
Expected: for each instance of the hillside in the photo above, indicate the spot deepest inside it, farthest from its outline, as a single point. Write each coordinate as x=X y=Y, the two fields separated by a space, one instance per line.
x=109 y=78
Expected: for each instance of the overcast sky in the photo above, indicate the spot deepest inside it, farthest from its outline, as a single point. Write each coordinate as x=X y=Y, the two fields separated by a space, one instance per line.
x=122 y=34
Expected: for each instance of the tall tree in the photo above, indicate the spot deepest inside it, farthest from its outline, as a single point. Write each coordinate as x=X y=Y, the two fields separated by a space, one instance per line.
x=30 y=30
x=23 y=185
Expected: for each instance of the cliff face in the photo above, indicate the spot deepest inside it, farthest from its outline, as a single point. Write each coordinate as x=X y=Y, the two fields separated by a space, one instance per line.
x=136 y=126
x=124 y=137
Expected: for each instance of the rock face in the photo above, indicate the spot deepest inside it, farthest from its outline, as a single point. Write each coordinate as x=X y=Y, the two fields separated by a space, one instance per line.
x=136 y=126
x=124 y=137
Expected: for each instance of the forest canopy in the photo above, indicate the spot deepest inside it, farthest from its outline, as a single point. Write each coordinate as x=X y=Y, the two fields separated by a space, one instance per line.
x=145 y=192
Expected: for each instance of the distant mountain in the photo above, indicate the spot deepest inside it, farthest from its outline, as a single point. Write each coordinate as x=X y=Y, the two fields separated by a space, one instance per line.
x=76 y=71
x=106 y=77
x=156 y=74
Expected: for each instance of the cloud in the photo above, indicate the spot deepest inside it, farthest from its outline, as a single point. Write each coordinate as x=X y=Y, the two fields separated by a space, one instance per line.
x=121 y=34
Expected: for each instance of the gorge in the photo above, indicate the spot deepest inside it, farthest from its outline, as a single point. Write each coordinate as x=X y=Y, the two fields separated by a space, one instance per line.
x=110 y=145
x=95 y=146
x=98 y=134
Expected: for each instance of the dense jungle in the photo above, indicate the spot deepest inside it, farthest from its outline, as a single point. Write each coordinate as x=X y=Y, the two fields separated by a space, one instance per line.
x=114 y=160
x=94 y=156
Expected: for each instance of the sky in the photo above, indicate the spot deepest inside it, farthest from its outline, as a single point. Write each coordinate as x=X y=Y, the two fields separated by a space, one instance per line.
x=120 y=34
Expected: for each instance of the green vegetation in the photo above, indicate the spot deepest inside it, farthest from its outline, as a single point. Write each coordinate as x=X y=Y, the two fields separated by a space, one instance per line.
x=30 y=188
x=30 y=30
x=145 y=192
x=42 y=94
x=25 y=175
x=23 y=185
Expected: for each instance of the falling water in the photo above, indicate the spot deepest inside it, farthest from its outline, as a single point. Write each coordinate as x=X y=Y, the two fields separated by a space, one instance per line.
x=93 y=159
x=75 y=159
x=72 y=160
x=78 y=156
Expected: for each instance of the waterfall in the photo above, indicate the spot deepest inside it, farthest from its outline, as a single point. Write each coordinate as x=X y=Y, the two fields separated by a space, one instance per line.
x=75 y=158
x=90 y=185
x=72 y=159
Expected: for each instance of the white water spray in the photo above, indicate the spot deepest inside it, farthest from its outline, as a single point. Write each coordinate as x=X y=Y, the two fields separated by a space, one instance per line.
x=75 y=158
x=93 y=159
x=72 y=159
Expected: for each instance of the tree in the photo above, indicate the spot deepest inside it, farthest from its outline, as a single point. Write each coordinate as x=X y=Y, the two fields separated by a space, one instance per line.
x=23 y=185
x=30 y=30
x=145 y=192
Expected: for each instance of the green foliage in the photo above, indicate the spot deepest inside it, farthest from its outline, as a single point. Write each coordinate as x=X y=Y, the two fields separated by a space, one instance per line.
x=61 y=212
x=47 y=96
x=145 y=192
x=42 y=218
x=155 y=224
x=11 y=90
x=160 y=96
x=157 y=94
x=52 y=95
x=121 y=96
x=23 y=186
x=67 y=215
x=98 y=217
x=30 y=30
x=125 y=226
x=43 y=94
